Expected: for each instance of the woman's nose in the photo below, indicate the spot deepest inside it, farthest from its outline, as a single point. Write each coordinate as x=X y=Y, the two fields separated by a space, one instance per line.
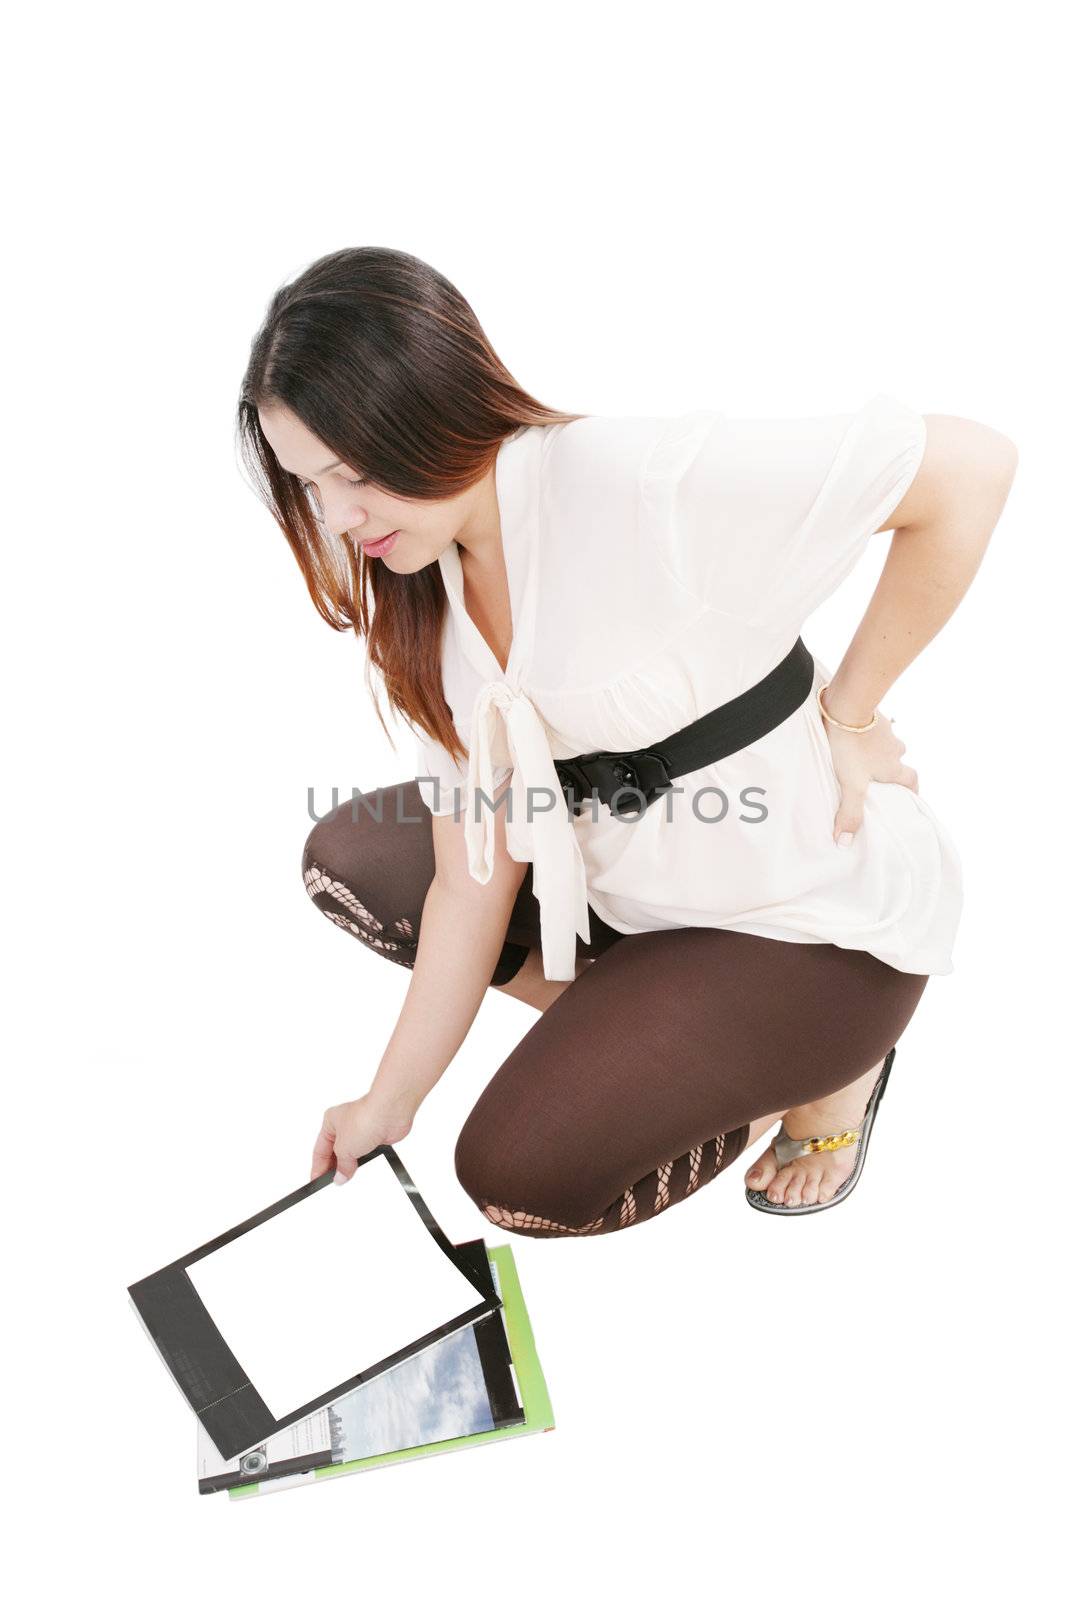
x=344 y=527
x=342 y=520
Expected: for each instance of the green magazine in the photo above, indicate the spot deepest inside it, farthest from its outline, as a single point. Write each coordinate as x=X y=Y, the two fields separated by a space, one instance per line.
x=481 y=1384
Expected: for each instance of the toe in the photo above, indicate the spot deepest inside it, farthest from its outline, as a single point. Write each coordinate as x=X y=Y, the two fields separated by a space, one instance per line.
x=810 y=1192
x=796 y=1187
x=778 y=1185
x=761 y=1171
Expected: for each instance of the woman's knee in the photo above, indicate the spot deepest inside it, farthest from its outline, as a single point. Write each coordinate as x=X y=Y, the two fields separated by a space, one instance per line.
x=335 y=845
x=331 y=854
x=516 y=1187
x=354 y=872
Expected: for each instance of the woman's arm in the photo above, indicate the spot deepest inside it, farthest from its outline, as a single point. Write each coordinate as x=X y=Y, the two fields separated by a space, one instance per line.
x=462 y=928
x=943 y=525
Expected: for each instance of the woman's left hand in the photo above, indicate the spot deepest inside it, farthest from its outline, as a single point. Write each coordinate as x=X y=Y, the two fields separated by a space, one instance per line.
x=860 y=759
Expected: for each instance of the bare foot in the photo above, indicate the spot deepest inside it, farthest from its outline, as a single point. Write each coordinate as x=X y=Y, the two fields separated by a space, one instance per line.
x=814 y=1179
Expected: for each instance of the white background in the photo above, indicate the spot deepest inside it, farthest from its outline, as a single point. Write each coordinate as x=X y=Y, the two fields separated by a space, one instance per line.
x=776 y=209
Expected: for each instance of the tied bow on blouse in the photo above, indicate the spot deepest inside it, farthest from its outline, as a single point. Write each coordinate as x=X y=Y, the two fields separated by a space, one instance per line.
x=538 y=820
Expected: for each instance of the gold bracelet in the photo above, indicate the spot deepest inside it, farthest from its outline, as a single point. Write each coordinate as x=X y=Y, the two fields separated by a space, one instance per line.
x=848 y=726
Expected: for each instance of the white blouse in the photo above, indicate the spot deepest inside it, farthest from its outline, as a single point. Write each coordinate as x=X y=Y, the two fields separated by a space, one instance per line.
x=658 y=567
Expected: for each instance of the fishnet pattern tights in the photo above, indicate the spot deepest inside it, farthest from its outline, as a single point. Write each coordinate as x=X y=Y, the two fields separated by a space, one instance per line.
x=357 y=920
x=638 y=1084
x=625 y=1210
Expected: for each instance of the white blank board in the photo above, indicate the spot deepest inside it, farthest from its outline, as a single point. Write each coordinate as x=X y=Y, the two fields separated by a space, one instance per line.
x=329 y=1287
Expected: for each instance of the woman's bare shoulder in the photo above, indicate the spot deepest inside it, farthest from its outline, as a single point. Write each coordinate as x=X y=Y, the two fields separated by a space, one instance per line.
x=962 y=460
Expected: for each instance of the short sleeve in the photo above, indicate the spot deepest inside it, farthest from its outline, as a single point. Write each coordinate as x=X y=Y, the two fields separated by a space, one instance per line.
x=763 y=518
x=448 y=795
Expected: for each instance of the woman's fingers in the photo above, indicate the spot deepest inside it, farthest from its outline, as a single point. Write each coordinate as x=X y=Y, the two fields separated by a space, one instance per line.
x=849 y=818
x=322 y=1155
x=346 y=1166
x=910 y=777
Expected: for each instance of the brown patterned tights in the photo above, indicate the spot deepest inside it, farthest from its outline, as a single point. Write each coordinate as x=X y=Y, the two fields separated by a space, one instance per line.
x=637 y=1085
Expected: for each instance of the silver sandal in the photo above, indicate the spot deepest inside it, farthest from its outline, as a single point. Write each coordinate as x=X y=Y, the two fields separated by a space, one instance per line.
x=786 y=1150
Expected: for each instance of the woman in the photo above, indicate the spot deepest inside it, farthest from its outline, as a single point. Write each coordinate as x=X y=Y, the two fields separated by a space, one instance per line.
x=559 y=595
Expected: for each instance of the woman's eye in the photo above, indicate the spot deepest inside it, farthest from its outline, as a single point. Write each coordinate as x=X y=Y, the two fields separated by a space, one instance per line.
x=354 y=483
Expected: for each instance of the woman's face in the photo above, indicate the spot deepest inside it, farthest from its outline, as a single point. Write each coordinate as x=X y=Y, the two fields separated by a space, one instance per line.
x=355 y=509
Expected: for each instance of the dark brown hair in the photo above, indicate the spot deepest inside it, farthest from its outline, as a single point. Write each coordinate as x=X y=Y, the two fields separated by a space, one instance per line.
x=383 y=360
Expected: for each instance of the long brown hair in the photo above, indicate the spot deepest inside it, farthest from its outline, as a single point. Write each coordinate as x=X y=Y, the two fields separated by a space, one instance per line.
x=383 y=360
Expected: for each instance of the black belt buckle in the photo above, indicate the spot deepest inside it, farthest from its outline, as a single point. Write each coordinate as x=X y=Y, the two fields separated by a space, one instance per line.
x=608 y=771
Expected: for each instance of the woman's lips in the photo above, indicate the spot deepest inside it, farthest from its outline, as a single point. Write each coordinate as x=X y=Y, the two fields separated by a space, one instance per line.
x=382 y=547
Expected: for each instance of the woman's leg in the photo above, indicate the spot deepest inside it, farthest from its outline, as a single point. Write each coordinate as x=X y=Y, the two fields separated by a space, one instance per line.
x=368 y=868
x=368 y=864
x=640 y=1084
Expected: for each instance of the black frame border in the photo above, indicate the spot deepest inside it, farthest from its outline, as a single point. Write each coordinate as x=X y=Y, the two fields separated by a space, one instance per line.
x=233 y=1413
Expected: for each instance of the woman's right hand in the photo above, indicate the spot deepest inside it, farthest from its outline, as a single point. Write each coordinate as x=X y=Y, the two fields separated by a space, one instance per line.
x=352 y=1130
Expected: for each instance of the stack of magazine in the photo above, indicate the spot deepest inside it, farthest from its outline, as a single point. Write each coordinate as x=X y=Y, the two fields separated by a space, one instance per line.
x=340 y=1330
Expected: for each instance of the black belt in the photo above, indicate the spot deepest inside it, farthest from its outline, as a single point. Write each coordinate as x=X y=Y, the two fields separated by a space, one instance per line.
x=629 y=774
